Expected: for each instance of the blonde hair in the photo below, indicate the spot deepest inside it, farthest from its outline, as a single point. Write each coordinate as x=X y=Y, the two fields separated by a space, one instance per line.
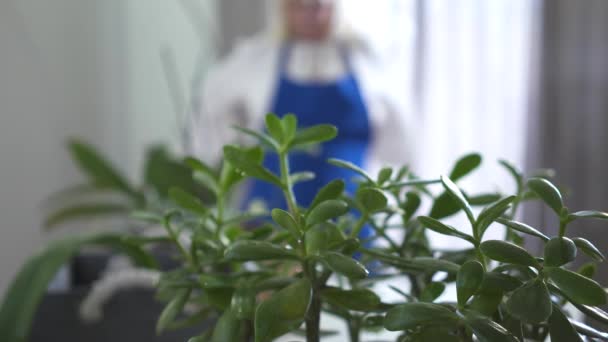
x=276 y=27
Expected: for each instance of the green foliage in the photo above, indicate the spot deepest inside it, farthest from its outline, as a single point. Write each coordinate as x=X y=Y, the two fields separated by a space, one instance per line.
x=260 y=275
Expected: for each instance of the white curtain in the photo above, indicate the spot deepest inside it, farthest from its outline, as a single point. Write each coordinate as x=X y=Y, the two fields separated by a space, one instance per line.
x=472 y=86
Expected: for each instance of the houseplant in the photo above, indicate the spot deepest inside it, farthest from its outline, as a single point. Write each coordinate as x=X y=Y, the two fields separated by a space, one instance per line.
x=262 y=283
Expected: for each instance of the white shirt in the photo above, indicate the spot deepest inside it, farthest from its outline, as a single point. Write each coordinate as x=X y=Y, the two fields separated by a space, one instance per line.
x=240 y=90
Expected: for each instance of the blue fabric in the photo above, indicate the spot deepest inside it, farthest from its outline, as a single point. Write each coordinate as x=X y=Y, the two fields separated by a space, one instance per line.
x=339 y=103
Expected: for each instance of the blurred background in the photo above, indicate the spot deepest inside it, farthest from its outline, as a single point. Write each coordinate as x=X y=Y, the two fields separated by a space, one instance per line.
x=525 y=80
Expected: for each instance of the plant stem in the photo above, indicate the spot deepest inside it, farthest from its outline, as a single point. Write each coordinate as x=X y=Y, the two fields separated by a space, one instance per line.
x=353 y=330
x=313 y=318
x=562 y=228
x=359 y=225
x=288 y=186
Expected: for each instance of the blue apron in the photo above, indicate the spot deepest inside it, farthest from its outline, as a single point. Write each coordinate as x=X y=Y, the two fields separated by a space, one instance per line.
x=339 y=103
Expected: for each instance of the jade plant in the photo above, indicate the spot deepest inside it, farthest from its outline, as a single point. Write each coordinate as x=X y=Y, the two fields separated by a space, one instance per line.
x=258 y=275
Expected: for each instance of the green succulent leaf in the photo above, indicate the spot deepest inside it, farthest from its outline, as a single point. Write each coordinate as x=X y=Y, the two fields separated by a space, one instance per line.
x=468 y=281
x=350 y=166
x=243 y=303
x=198 y=165
x=453 y=190
x=174 y=308
x=589 y=214
x=579 y=289
x=587 y=270
x=487 y=330
x=301 y=177
x=331 y=191
x=412 y=315
x=240 y=160
x=483 y=199
x=345 y=265
x=187 y=201
x=290 y=126
x=443 y=206
x=530 y=303
x=356 y=299
x=432 y=291
x=522 y=228
x=275 y=128
x=285 y=220
x=326 y=210
x=314 y=135
x=248 y=250
x=508 y=253
x=548 y=193
x=283 y=312
x=84 y=211
x=323 y=237
x=384 y=175
x=559 y=251
x=515 y=173
x=560 y=328
x=441 y=228
x=588 y=248
x=411 y=205
x=100 y=171
x=264 y=139
x=371 y=199
x=491 y=213
x=465 y=165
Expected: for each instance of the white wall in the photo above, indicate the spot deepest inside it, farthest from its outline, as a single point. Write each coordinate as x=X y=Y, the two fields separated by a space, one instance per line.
x=87 y=68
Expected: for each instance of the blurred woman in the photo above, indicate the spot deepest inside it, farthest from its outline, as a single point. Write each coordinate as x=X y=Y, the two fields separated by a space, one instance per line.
x=309 y=62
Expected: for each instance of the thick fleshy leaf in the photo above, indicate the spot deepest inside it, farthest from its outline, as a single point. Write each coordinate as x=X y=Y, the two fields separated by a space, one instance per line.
x=487 y=330
x=345 y=265
x=522 y=228
x=248 y=250
x=371 y=199
x=453 y=190
x=559 y=251
x=290 y=126
x=560 y=328
x=228 y=328
x=412 y=315
x=508 y=253
x=515 y=173
x=348 y=165
x=588 y=248
x=240 y=160
x=275 y=128
x=486 y=303
x=264 y=139
x=468 y=281
x=331 y=191
x=187 y=201
x=441 y=228
x=465 y=165
x=283 y=312
x=314 y=135
x=301 y=177
x=589 y=214
x=326 y=210
x=548 y=193
x=174 y=308
x=84 y=211
x=411 y=205
x=357 y=299
x=100 y=171
x=323 y=237
x=197 y=165
x=491 y=213
x=483 y=199
x=243 y=303
x=443 y=206
x=384 y=175
x=432 y=291
x=587 y=270
x=530 y=303
x=285 y=220
x=579 y=289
